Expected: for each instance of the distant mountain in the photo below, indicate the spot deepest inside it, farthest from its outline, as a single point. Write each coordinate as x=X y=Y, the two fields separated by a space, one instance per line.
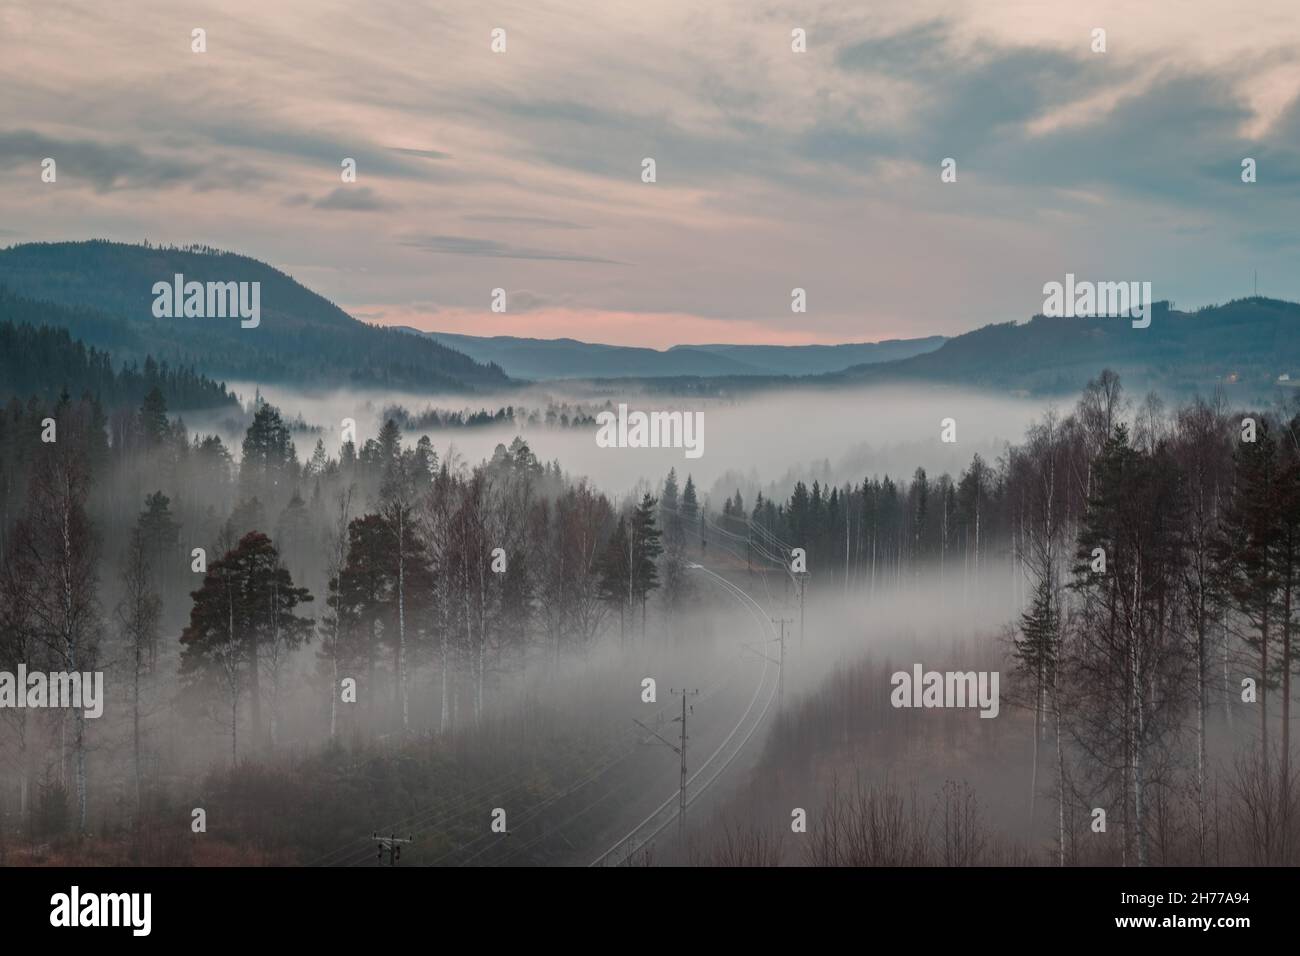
x=302 y=338
x=568 y=358
x=820 y=359
x=1247 y=346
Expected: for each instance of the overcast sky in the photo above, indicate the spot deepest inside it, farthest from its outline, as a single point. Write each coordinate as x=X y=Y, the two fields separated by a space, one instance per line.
x=775 y=169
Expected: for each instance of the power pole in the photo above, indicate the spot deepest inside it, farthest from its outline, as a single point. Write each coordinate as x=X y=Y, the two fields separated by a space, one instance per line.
x=780 y=673
x=757 y=648
x=803 y=577
x=680 y=750
x=681 y=792
x=392 y=845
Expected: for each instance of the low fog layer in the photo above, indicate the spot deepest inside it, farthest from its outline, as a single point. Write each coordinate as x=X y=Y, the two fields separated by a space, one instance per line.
x=525 y=625
x=754 y=442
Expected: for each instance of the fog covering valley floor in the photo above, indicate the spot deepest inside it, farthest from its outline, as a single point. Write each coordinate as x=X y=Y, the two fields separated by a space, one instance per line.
x=497 y=713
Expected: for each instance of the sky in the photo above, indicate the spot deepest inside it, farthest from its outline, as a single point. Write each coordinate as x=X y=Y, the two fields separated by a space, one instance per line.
x=775 y=169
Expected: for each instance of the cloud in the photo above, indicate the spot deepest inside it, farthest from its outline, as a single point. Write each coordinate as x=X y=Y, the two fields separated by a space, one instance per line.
x=774 y=169
x=110 y=166
x=1176 y=142
x=351 y=199
x=907 y=51
x=522 y=300
x=541 y=221
x=423 y=153
x=220 y=127
x=491 y=249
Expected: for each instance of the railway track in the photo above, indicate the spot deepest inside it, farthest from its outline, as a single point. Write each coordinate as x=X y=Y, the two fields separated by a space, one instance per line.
x=582 y=794
x=715 y=765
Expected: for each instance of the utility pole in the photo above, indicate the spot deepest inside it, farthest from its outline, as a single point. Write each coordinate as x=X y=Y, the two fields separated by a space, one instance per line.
x=780 y=674
x=681 y=792
x=392 y=845
x=680 y=750
x=803 y=577
x=757 y=648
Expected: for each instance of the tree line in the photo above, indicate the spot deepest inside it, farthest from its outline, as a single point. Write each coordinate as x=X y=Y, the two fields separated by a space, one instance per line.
x=1154 y=557
x=43 y=361
x=385 y=589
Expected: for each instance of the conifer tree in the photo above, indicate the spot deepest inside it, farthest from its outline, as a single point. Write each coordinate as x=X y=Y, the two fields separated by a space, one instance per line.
x=247 y=600
x=645 y=549
x=154 y=427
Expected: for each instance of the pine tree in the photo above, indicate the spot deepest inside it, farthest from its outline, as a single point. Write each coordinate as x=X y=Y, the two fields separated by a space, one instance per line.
x=389 y=451
x=153 y=418
x=674 y=548
x=293 y=531
x=616 y=577
x=160 y=537
x=247 y=601
x=361 y=598
x=269 y=460
x=690 y=506
x=1035 y=649
x=318 y=462
x=645 y=549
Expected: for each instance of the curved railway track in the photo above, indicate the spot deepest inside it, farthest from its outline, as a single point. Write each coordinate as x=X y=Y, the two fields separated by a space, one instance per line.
x=583 y=774
x=715 y=765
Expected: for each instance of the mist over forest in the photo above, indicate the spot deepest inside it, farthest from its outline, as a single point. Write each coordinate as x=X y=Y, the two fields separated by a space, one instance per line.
x=313 y=629
x=686 y=437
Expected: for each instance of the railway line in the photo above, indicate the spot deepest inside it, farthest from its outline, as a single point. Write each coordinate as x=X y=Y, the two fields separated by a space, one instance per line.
x=593 y=784
x=639 y=837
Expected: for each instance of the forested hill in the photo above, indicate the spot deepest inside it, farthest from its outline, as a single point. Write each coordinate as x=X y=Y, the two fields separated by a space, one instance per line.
x=1246 y=346
x=44 y=361
x=302 y=337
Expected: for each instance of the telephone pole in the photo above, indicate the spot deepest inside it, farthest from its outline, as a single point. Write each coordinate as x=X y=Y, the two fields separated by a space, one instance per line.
x=758 y=648
x=780 y=673
x=803 y=577
x=681 y=792
x=679 y=749
x=392 y=845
